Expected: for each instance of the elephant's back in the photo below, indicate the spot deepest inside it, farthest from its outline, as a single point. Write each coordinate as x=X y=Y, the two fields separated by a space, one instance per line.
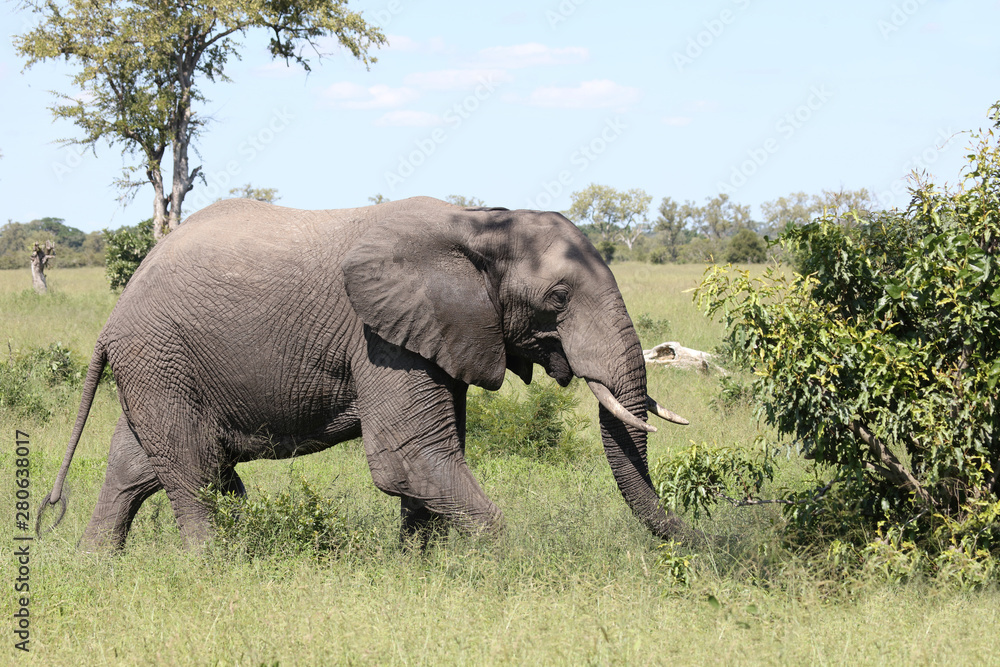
x=251 y=327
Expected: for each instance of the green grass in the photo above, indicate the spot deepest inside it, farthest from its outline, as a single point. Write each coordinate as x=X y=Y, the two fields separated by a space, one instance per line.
x=575 y=580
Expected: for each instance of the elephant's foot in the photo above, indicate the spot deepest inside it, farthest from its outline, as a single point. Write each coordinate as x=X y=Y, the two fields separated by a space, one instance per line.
x=419 y=525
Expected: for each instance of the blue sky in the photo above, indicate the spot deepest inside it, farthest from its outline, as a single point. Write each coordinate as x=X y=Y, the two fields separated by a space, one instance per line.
x=521 y=103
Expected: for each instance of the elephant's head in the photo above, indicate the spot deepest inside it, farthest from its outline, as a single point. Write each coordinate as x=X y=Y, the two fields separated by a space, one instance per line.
x=480 y=291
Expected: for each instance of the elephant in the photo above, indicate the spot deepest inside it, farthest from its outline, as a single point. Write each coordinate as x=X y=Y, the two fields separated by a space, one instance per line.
x=258 y=331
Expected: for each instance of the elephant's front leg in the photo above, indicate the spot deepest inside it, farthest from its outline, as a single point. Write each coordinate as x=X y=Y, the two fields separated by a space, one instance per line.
x=417 y=522
x=415 y=440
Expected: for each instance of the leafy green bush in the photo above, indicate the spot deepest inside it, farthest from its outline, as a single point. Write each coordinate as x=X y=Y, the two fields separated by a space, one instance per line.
x=735 y=393
x=17 y=392
x=880 y=359
x=659 y=255
x=541 y=426
x=298 y=521
x=652 y=331
x=27 y=377
x=673 y=565
x=697 y=477
x=607 y=250
x=746 y=247
x=59 y=364
x=124 y=251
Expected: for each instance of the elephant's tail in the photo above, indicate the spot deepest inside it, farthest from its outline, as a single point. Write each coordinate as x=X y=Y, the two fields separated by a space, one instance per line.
x=97 y=362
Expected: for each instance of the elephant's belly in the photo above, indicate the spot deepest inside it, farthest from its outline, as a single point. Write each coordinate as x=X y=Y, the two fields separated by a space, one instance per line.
x=265 y=443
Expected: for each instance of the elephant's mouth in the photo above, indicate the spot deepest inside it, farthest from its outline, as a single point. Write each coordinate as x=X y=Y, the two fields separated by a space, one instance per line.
x=558 y=368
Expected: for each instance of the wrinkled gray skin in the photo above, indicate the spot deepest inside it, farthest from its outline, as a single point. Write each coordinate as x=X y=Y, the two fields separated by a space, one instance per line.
x=255 y=331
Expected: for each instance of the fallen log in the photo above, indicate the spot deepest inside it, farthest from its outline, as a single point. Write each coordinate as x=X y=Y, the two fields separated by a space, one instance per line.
x=676 y=355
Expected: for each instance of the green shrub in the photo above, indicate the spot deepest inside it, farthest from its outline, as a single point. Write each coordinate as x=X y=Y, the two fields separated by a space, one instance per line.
x=674 y=566
x=18 y=394
x=125 y=249
x=746 y=247
x=880 y=360
x=652 y=331
x=607 y=250
x=541 y=426
x=660 y=255
x=59 y=364
x=27 y=377
x=735 y=393
x=298 y=521
x=695 y=478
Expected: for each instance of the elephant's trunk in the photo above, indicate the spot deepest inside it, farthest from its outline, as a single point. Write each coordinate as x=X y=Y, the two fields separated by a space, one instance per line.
x=623 y=423
x=625 y=447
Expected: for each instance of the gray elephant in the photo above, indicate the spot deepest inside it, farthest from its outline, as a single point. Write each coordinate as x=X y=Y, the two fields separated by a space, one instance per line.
x=256 y=331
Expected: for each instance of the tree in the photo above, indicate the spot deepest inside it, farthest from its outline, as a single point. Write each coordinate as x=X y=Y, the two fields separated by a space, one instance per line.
x=379 y=198
x=269 y=195
x=615 y=215
x=799 y=208
x=142 y=63
x=840 y=203
x=879 y=357
x=465 y=202
x=721 y=218
x=671 y=224
x=746 y=247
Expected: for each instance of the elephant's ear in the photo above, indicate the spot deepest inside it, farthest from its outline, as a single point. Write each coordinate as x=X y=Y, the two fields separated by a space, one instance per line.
x=418 y=286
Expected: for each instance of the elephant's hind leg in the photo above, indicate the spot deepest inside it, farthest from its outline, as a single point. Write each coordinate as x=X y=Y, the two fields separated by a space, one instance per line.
x=231 y=483
x=128 y=482
x=418 y=525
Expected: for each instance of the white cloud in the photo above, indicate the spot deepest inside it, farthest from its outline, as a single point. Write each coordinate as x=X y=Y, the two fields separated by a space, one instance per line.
x=347 y=95
x=409 y=119
x=456 y=79
x=532 y=55
x=597 y=94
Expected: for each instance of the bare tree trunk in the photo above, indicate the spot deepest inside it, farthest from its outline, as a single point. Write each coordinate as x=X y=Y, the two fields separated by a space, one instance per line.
x=159 y=203
x=183 y=180
x=39 y=260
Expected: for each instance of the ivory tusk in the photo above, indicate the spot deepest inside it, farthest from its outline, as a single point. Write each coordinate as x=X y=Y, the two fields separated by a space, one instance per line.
x=663 y=413
x=612 y=405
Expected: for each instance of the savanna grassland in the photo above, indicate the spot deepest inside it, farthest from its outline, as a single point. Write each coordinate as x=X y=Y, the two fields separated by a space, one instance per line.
x=575 y=580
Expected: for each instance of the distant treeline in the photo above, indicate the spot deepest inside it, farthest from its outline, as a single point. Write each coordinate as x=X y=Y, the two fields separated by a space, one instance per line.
x=617 y=221
x=73 y=246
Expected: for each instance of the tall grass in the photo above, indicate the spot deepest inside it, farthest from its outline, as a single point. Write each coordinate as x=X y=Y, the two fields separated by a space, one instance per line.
x=576 y=579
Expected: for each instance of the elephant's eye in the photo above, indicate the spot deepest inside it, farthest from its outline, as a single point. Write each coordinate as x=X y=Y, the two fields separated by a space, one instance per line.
x=558 y=299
